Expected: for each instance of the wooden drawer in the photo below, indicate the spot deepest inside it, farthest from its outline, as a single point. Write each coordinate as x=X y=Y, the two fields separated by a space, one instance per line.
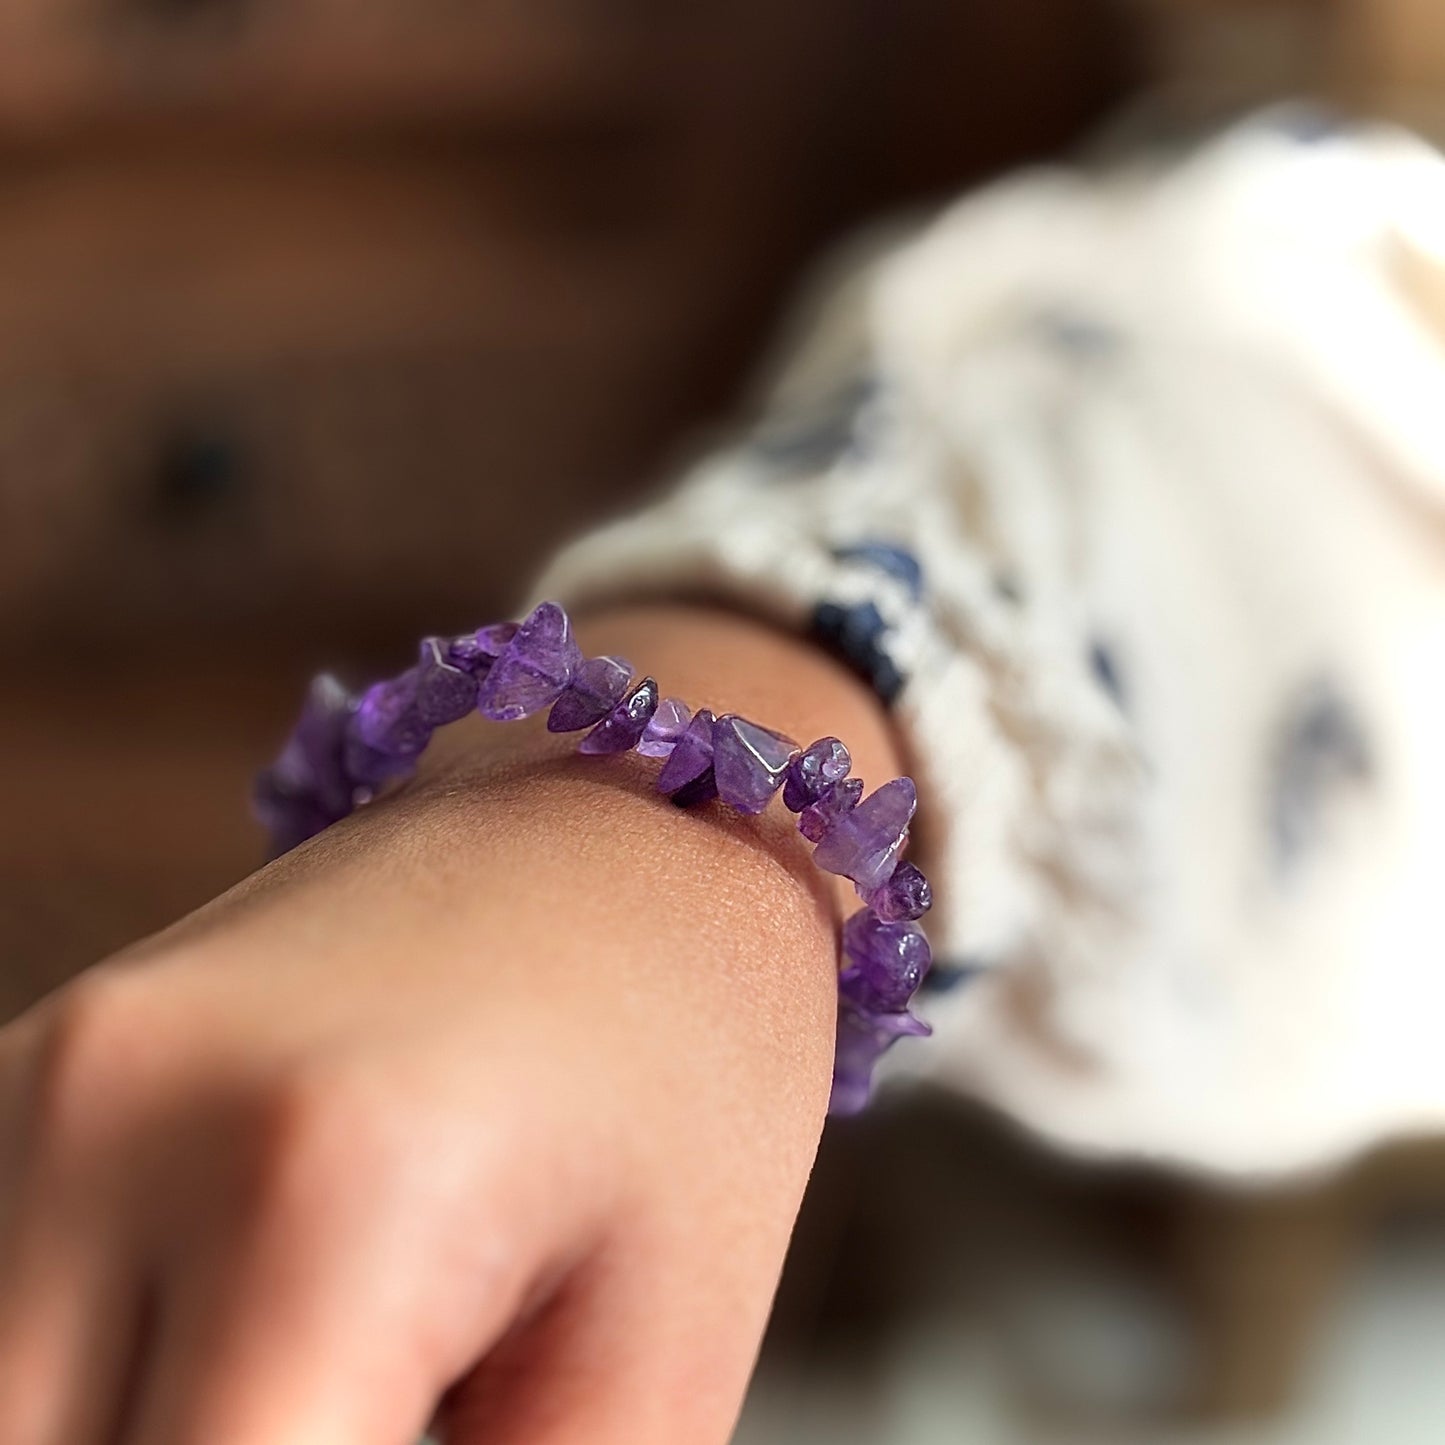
x=270 y=390
x=67 y=64
x=297 y=332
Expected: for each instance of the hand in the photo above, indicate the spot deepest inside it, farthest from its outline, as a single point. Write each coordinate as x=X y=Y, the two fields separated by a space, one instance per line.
x=501 y=1094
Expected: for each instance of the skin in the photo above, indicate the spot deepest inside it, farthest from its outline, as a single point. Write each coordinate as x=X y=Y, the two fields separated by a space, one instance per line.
x=495 y=1101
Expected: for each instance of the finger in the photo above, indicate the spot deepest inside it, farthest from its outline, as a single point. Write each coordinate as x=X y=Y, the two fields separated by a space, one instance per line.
x=21 y=1063
x=69 y=1324
x=308 y=1310
x=295 y=1369
x=622 y=1355
x=70 y=1286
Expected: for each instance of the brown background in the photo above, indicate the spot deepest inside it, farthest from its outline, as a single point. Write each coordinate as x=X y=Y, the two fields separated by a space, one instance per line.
x=321 y=322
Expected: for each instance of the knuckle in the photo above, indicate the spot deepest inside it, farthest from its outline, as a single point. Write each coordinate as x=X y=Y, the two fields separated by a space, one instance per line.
x=28 y=1415
x=319 y=1130
x=85 y=1053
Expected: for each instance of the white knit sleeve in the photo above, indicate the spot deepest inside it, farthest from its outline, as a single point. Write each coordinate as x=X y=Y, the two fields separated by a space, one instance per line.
x=1122 y=490
x=846 y=511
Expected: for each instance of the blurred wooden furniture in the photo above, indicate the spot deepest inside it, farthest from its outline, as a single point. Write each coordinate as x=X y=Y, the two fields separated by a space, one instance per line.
x=1217 y=57
x=323 y=319
x=1381 y=58
x=334 y=317
x=1390 y=57
x=322 y=322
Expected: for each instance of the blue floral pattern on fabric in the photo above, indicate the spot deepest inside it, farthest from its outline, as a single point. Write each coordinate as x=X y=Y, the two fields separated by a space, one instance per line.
x=1008 y=588
x=813 y=439
x=949 y=974
x=1105 y=667
x=857 y=631
x=854 y=633
x=1322 y=747
x=1077 y=336
x=1309 y=123
x=888 y=557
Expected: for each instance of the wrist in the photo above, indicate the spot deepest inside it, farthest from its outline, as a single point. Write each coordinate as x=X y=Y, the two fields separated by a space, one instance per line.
x=714 y=658
x=344 y=744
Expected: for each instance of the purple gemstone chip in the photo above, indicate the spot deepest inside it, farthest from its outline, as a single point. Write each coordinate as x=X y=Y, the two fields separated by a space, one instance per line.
x=466 y=653
x=886 y=961
x=864 y=843
x=444 y=692
x=623 y=727
x=863 y=1037
x=596 y=688
x=906 y=895
x=533 y=669
x=813 y=772
x=668 y=724
x=385 y=734
x=312 y=761
x=345 y=749
x=387 y=719
x=702 y=789
x=815 y=820
x=691 y=756
x=308 y=787
x=475 y=652
x=749 y=762
x=289 y=821
x=493 y=640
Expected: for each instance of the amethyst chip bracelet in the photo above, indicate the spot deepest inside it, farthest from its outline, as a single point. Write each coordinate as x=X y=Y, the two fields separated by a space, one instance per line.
x=346 y=748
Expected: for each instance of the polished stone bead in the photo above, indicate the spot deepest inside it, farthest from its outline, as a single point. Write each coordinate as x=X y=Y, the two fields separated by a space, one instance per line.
x=623 y=727
x=886 y=961
x=312 y=760
x=668 y=724
x=815 y=820
x=288 y=820
x=691 y=756
x=308 y=787
x=749 y=762
x=493 y=640
x=370 y=769
x=907 y=894
x=864 y=1035
x=465 y=652
x=385 y=735
x=444 y=692
x=864 y=843
x=596 y=688
x=475 y=652
x=387 y=718
x=533 y=669
x=702 y=789
x=813 y=772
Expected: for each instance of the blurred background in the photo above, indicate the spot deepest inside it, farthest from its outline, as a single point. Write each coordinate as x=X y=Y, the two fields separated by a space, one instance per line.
x=322 y=322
